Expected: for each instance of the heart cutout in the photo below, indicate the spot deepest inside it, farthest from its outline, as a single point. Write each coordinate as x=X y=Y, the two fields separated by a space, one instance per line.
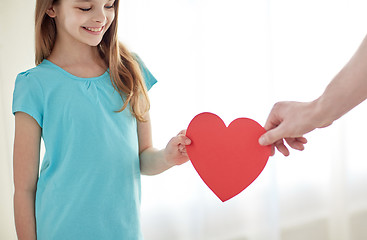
x=228 y=159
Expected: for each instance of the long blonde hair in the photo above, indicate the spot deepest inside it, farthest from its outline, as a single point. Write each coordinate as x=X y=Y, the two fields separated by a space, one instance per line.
x=124 y=70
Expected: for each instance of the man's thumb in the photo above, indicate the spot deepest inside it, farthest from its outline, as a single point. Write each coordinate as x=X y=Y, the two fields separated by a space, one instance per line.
x=270 y=137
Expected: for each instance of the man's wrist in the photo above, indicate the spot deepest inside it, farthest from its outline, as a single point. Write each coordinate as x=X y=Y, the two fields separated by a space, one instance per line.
x=321 y=113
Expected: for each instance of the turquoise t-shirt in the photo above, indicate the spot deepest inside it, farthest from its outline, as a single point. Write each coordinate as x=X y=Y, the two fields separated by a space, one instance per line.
x=89 y=183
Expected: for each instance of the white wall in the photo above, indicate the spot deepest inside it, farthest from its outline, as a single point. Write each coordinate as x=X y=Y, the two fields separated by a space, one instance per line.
x=16 y=55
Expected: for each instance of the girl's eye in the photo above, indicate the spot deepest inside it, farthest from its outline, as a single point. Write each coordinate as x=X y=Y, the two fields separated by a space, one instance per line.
x=85 y=9
x=109 y=7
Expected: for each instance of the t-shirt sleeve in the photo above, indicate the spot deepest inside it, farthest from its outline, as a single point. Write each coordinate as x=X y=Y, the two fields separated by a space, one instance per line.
x=28 y=97
x=147 y=75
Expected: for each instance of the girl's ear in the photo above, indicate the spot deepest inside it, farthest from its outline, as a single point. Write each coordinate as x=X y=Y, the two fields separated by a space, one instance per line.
x=51 y=12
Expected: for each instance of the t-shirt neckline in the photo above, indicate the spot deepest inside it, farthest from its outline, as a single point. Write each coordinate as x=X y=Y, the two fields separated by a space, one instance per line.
x=45 y=61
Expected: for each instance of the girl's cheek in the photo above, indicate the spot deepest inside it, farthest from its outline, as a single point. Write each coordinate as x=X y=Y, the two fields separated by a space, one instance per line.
x=111 y=17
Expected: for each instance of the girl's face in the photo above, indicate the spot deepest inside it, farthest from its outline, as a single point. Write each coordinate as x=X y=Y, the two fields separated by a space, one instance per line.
x=85 y=21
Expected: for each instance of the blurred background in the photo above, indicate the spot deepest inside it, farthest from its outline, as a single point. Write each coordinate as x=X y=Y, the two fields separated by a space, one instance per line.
x=235 y=58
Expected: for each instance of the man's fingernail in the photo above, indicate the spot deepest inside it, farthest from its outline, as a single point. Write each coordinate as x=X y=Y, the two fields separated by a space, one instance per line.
x=262 y=140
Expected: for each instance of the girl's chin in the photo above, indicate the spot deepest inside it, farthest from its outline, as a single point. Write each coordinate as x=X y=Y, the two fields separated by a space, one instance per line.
x=93 y=43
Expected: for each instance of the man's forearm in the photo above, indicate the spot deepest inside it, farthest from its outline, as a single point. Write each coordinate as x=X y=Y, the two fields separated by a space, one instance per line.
x=347 y=89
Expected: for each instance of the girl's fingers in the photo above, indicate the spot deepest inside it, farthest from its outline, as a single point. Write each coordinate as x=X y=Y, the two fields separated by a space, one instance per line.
x=182 y=148
x=182 y=132
x=180 y=139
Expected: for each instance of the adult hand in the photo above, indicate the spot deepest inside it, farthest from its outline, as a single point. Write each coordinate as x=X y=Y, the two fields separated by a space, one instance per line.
x=289 y=121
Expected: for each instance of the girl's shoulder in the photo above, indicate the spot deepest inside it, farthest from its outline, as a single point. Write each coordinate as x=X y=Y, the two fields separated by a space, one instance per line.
x=150 y=80
x=28 y=77
x=37 y=71
x=28 y=73
x=39 y=74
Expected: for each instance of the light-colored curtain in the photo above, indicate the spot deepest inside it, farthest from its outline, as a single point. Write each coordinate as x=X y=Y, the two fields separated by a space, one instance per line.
x=234 y=58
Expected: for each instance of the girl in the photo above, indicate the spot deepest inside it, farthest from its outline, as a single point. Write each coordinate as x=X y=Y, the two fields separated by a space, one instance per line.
x=87 y=98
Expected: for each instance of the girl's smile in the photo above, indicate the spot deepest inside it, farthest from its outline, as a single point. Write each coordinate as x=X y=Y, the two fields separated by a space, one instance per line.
x=82 y=21
x=94 y=30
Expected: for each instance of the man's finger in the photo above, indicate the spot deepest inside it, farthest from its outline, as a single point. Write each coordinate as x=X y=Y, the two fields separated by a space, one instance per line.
x=271 y=136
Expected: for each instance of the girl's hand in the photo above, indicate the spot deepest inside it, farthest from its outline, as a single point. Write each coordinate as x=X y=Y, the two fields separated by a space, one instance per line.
x=175 y=151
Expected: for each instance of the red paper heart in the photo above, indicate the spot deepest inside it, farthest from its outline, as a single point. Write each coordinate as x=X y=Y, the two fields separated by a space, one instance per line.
x=228 y=159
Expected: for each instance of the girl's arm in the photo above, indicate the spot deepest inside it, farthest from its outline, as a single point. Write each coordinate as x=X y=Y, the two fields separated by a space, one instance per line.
x=153 y=161
x=26 y=161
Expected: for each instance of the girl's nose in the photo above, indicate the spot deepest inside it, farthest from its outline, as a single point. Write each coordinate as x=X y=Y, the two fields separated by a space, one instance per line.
x=100 y=16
